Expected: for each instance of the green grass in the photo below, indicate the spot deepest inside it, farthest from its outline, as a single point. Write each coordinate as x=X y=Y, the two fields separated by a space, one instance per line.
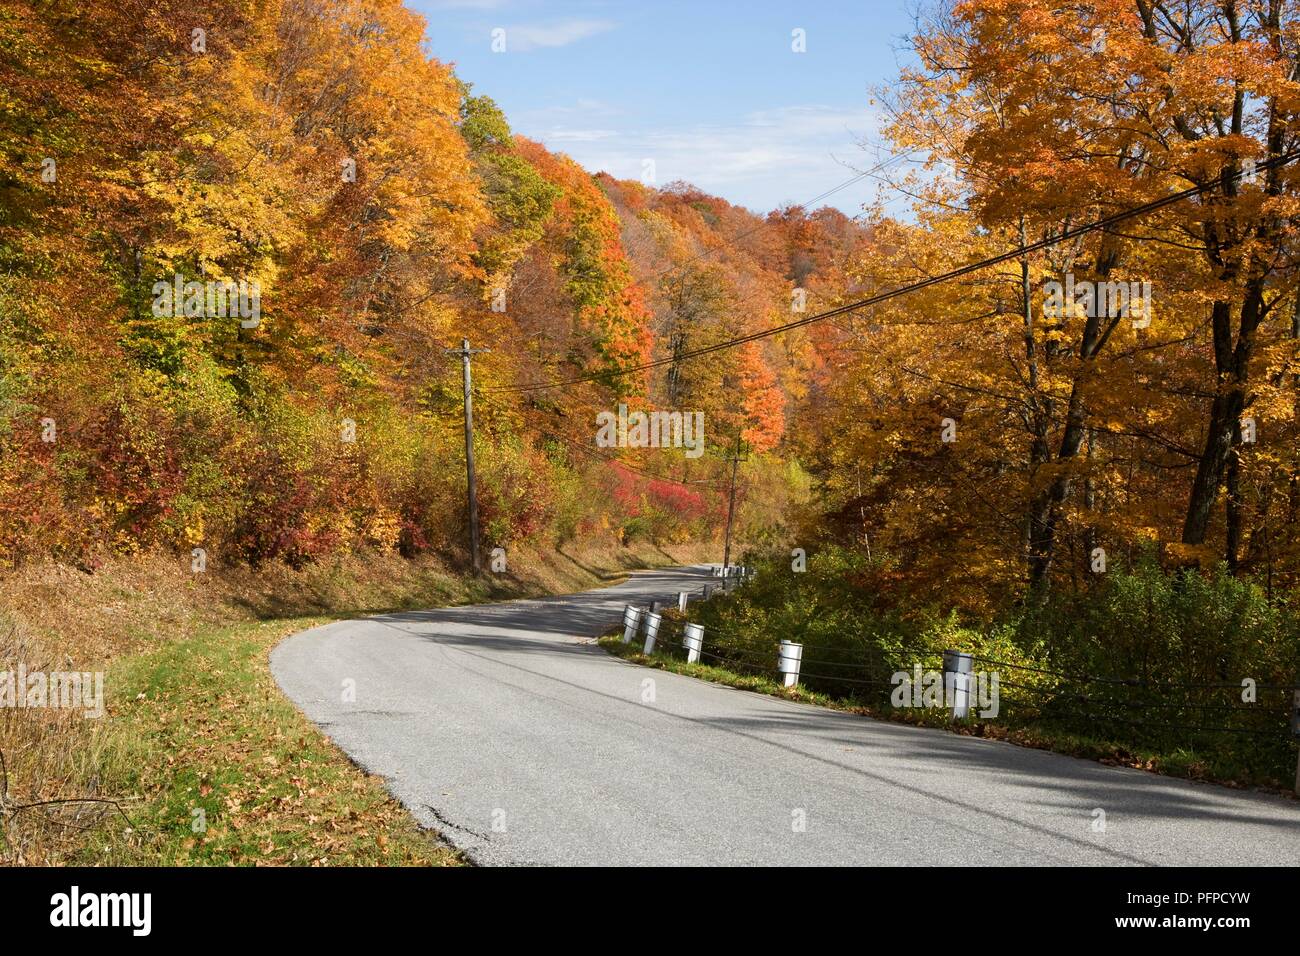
x=759 y=684
x=202 y=735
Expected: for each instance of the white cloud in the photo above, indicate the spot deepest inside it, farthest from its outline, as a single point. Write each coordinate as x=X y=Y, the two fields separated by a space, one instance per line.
x=562 y=135
x=790 y=154
x=534 y=36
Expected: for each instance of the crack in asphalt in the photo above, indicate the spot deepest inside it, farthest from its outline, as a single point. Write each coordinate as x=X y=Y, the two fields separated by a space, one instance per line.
x=450 y=824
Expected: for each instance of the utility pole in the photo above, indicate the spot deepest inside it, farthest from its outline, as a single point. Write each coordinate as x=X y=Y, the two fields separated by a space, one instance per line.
x=471 y=498
x=735 y=460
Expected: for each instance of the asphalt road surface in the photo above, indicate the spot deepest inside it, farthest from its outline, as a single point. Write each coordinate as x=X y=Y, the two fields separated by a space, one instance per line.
x=505 y=728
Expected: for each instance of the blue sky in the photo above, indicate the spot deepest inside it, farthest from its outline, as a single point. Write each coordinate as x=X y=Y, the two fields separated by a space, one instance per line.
x=710 y=92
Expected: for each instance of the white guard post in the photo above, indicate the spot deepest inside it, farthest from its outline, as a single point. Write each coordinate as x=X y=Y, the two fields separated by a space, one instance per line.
x=693 y=638
x=631 y=618
x=651 y=630
x=788 y=659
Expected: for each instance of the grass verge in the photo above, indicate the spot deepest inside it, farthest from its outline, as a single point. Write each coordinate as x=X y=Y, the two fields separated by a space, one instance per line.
x=220 y=769
x=200 y=759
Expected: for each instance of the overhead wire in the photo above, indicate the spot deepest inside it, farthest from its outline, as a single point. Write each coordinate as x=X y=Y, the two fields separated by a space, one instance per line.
x=1017 y=252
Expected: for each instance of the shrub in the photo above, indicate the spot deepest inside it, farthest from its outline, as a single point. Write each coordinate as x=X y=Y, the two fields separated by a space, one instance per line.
x=1146 y=660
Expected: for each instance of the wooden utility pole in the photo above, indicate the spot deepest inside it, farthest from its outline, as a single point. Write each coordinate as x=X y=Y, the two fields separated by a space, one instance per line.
x=471 y=497
x=735 y=460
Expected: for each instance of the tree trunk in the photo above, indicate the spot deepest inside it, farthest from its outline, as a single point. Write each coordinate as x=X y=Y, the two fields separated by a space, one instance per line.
x=1232 y=363
x=1232 y=504
x=1037 y=419
x=1090 y=503
x=1047 y=508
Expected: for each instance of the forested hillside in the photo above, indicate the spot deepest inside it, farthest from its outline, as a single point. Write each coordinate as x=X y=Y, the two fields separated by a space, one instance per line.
x=384 y=211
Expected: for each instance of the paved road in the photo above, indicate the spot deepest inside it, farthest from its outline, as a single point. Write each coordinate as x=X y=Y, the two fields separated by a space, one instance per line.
x=506 y=729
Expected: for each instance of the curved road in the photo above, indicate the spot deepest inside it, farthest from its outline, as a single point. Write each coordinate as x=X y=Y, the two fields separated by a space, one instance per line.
x=505 y=728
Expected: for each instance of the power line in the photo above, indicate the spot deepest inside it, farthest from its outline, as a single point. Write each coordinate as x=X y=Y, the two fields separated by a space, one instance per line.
x=763 y=224
x=1010 y=255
